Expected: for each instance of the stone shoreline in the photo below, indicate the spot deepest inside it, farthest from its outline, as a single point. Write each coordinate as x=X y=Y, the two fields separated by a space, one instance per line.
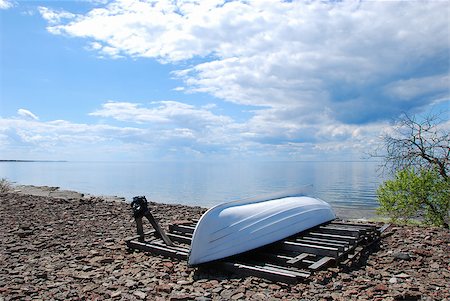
x=58 y=246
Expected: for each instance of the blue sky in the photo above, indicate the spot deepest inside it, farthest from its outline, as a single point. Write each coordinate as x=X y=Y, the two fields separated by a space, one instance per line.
x=215 y=80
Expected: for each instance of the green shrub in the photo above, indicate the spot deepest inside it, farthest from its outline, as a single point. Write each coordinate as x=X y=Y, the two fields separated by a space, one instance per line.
x=5 y=186
x=414 y=194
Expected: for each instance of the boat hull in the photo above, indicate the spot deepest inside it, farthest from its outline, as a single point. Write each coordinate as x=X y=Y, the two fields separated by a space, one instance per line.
x=236 y=227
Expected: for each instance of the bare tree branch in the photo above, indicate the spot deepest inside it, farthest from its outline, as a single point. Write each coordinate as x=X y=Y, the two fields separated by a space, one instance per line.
x=417 y=143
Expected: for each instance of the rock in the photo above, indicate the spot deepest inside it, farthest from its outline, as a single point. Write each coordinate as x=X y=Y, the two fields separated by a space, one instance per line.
x=184 y=282
x=131 y=283
x=115 y=294
x=402 y=256
x=217 y=290
x=24 y=233
x=238 y=296
x=274 y=287
x=435 y=265
x=345 y=277
x=380 y=287
x=180 y=297
x=202 y=298
x=393 y=280
x=164 y=288
x=258 y=296
x=168 y=264
x=226 y=294
x=106 y=260
x=140 y=295
x=423 y=252
x=263 y=285
x=402 y=275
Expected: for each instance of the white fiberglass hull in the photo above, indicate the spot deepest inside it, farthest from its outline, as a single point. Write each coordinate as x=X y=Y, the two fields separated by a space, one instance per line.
x=236 y=227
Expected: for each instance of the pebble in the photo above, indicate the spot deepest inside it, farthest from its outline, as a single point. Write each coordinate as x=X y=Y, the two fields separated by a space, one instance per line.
x=402 y=256
x=140 y=295
x=115 y=294
x=402 y=275
x=393 y=280
x=237 y=296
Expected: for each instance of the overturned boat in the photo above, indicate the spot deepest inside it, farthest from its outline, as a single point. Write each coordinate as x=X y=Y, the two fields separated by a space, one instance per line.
x=301 y=232
x=235 y=227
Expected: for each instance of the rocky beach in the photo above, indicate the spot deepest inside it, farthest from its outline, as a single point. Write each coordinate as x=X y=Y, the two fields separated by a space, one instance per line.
x=57 y=245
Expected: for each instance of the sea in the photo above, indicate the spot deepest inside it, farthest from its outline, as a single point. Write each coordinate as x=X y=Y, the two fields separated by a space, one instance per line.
x=350 y=187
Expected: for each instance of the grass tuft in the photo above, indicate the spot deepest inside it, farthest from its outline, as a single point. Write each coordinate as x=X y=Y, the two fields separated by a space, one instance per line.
x=5 y=186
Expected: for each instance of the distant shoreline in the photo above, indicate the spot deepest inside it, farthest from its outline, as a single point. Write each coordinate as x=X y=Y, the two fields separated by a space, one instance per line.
x=33 y=161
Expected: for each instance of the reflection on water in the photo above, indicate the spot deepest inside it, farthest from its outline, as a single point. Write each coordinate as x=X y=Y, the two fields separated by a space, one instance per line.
x=343 y=184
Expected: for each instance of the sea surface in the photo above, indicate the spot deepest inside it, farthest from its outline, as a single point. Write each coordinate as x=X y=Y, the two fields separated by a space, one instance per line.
x=347 y=185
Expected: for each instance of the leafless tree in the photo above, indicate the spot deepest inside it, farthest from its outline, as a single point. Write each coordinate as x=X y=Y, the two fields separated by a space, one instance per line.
x=415 y=142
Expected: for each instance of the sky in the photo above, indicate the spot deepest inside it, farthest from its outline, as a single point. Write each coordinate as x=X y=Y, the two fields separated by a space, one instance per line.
x=208 y=80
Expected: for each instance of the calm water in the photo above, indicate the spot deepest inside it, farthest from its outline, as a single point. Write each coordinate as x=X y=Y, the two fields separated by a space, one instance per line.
x=343 y=184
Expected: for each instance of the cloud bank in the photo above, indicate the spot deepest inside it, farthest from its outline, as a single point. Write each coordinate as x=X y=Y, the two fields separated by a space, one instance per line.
x=347 y=58
x=321 y=76
x=175 y=131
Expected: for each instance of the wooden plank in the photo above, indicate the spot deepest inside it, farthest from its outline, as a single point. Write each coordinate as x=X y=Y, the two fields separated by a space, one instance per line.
x=263 y=272
x=310 y=248
x=350 y=227
x=173 y=248
x=161 y=250
x=340 y=247
x=298 y=258
x=346 y=228
x=156 y=226
x=353 y=225
x=180 y=238
x=277 y=268
x=333 y=236
x=339 y=231
x=150 y=234
x=345 y=243
x=321 y=263
x=181 y=228
x=265 y=257
x=383 y=228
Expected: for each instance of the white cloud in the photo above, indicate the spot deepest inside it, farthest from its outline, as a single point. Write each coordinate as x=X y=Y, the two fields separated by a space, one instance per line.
x=27 y=114
x=6 y=4
x=308 y=56
x=55 y=17
x=161 y=112
x=168 y=128
x=320 y=76
x=181 y=124
x=408 y=89
x=34 y=139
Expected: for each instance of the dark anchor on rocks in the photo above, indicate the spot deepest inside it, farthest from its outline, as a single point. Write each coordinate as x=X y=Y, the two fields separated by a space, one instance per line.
x=140 y=209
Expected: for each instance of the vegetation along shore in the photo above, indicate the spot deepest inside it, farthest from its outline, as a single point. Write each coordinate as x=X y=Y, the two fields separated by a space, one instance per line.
x=68 y=246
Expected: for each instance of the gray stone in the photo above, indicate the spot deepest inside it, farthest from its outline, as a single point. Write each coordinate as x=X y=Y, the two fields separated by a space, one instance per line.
x=393 y=280
x=402 y=256
x=402 y=275
x=140 y=295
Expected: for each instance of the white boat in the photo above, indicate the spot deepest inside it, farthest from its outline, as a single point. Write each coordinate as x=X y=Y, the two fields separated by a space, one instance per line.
x=236 y=227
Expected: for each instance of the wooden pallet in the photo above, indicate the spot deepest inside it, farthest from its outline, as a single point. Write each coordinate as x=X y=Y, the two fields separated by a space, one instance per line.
x=289 y=260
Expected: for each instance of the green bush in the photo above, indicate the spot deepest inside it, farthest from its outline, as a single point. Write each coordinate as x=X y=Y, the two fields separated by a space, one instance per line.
x=412 y=194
